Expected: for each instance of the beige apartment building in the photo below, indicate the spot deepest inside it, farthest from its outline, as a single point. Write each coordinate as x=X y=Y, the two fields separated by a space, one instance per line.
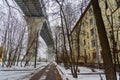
x=1 y=53
x=90 y=49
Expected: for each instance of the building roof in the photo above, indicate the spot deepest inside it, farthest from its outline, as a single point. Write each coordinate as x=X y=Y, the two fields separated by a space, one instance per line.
x=82 y=15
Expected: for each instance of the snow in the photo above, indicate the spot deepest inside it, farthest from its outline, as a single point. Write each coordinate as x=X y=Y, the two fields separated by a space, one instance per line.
x=84 y=70
x=84 y=74
x=25 y=73
x=20 y=73
x=43 y=77
x=90 y=77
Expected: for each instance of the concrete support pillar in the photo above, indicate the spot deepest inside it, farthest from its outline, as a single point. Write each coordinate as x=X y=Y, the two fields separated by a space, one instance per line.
x=51 y=54
x=34 y=27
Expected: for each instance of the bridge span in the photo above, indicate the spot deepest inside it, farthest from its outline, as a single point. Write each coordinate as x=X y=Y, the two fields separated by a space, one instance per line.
x=36 y=18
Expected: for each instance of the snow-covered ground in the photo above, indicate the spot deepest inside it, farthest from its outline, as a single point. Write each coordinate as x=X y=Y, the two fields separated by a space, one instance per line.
x=24 y=73
x=18 y=73
x=84 y=74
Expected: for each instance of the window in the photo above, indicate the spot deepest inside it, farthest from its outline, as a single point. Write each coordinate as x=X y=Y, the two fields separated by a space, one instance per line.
x=85 y=51
x=88 y=45
x=83 y=32
x=93 y=43
x=84 y=42
x=87 y=35
x=90 y=10
x=92 y=31
x=91 y=21
x=94 y=55
x=83 y=24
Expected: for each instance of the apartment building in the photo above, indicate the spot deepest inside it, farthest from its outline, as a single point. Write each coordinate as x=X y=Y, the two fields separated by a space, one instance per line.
x=90 y=49
x=1 y=53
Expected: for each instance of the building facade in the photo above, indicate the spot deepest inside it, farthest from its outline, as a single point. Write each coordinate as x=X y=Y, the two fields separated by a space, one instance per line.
x=90 y=49
x=1 y=53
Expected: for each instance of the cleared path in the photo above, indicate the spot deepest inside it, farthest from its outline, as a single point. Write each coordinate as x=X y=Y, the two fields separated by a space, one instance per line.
x=50 y=72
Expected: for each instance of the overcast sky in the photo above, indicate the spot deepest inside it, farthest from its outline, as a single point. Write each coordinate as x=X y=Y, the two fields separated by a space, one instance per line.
x=52 y=9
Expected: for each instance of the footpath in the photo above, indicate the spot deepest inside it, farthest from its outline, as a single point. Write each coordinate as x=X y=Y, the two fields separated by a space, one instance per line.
x=49 y=72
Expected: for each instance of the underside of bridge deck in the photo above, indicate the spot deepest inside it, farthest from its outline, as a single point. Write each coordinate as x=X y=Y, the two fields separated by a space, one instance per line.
x=36 y=18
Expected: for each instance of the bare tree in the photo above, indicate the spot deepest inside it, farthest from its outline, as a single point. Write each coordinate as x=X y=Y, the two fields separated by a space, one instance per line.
x=114 y=29
x=107 y=57
x=14 y=30
x=67 y=21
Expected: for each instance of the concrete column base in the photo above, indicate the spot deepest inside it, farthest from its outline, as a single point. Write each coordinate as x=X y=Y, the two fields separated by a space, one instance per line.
x=34 y=27
x=51 y=55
